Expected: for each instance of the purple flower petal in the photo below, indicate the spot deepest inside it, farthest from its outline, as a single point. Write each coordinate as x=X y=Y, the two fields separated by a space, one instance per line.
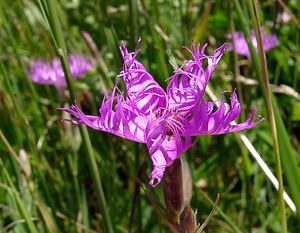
x=206 y=121
x=165 y=122
x=166 y=141
x=188 y=83
x=141 y=89
x=123 y=121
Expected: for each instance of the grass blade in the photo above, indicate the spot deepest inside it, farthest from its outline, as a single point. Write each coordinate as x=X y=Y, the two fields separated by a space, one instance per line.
x=289 y=161
x=266 y=88
x=62 y=52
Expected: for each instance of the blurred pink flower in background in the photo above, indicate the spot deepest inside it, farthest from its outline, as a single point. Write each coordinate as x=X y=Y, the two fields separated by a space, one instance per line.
x=241 y=47
x=51 y=73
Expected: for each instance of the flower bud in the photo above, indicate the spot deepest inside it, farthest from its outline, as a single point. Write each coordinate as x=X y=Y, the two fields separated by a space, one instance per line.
x=188 y=222
x=177 y=188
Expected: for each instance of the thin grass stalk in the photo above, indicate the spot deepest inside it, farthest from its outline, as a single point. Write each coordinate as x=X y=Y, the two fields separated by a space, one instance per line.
x=209 y=217
x=220 y=212
x=47 y=216
x=265 y=81
x=20 y=204
x=289 y=161
x=62 y=51
x=13 y=153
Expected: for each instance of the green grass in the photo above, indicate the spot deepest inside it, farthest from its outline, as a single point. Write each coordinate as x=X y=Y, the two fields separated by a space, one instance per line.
x=58 y=177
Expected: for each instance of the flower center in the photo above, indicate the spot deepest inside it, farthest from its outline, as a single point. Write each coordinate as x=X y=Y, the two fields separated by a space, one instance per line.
x=170 y=122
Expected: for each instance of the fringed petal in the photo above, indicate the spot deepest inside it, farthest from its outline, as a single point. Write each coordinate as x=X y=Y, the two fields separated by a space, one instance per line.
x=91 y=121
x=166 y=141
x=220 y=121
x=123 y=121
x=188 y=83
x=141 y=89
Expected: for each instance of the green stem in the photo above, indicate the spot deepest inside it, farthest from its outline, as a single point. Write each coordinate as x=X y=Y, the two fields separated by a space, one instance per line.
x=23 y=211
x=220 y=212
x=62 y=51
x=261 y=68
x=265 y=82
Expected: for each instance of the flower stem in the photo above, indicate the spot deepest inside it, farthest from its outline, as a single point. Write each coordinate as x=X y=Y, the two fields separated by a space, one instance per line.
x=60 y=45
